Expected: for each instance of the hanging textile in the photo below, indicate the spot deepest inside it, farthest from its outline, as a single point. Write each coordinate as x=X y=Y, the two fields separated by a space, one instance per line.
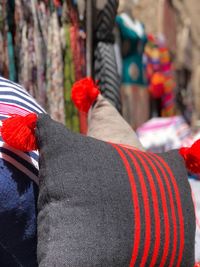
x=135 y=97
x=69 y=78
x=74 y=65
x=160 y=75
x=42 y=47
x=105 y=65
x=55 y=92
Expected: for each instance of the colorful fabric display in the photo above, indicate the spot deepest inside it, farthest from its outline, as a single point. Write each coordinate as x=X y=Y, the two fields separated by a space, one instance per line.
x=160 y=75
x=33 y=51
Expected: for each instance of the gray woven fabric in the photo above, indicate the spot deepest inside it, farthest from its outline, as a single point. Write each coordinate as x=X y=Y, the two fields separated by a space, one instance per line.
x=105 y=72
x=105 y=21
x=105 y=65
x=99 y=204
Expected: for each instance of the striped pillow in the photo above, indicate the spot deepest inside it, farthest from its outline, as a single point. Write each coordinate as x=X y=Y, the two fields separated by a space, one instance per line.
x=103 y=204
x=18 y=185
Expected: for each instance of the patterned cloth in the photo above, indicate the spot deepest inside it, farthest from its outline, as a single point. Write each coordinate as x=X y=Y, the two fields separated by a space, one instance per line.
x=55 y=79
x=18 y=185
x=133 y=38
x=33 y=50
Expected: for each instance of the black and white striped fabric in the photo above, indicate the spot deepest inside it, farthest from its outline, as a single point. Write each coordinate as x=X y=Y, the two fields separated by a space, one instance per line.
x=105 y=71
x=15 y=100
x=18 y=185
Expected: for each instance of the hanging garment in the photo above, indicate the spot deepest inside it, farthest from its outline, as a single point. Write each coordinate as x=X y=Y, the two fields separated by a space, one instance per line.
x=10 y=23
x=135 y=105
x=55 y=79
x=105 y=65
x=105 y=70
x=32 y=49
x=133 y=39
x=12 y=70
x=135 y=97
x=69 y=78
x=161 y=76
x=77 y=48
x=4 y=45
x=40 y=53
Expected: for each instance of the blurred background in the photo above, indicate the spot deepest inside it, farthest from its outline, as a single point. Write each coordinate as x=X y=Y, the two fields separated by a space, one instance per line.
x=144 y=54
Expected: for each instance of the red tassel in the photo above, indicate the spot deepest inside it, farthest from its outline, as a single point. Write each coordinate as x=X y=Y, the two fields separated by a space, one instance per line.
x=19 y=132
x=191 y=156
x=84 y=93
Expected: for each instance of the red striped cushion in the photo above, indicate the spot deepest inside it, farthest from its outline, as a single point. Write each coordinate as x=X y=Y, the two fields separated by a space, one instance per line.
x=103 y=204
x=155 y=179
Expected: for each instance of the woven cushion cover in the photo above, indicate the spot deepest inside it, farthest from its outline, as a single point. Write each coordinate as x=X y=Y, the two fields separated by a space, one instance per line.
x=107 y=205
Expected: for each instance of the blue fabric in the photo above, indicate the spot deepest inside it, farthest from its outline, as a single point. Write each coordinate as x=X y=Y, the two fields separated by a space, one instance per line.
x=18 y=197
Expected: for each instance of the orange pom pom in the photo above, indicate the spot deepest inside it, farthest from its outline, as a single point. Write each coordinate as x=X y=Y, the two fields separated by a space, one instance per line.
x=191 y=156
x=19 y=132
x=84 y=94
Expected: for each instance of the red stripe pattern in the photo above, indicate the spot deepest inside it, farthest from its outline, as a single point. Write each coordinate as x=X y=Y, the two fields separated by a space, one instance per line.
x=158 y=236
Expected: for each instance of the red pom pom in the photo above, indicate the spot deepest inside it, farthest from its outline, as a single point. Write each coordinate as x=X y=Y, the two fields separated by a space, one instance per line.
x=19 y=132
x=157 y=86
x=84 y=93
x=191 y=156
x=197 y=264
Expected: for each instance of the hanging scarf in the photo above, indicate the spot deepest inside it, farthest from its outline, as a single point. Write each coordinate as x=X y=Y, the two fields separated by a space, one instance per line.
x=55 y=79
